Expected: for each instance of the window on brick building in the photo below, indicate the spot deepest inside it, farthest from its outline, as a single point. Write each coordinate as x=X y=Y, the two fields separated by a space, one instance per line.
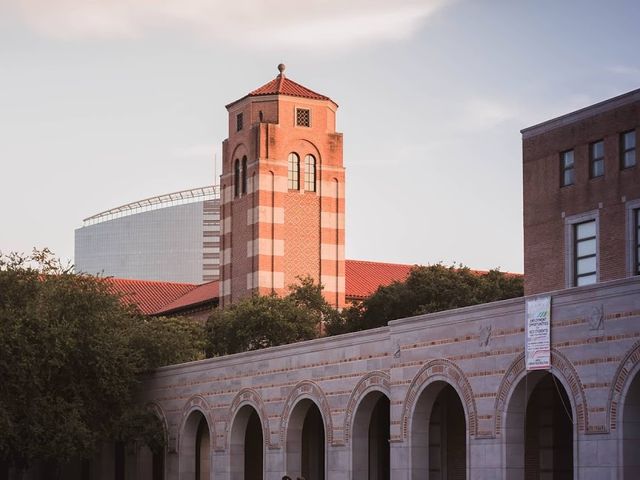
x=244 y=174
x=239 y=122
x=303 y=117
x=585 y=253
x=596 y=157
x=310 y=173
x=628 y=149
x=236 y=178
x=294 y=171
x=566 y=168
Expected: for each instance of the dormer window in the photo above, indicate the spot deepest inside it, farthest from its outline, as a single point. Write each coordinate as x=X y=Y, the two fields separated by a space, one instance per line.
x=239 y=122
x=303 y=117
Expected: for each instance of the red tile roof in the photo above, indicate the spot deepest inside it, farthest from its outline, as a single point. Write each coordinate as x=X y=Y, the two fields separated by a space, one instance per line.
x=363 y=278
x=207 y=292
x=281 y=85
x=149 y=296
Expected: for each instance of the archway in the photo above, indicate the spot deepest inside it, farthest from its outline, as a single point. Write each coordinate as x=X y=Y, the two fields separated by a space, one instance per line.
x=195 y=448
x=306 y=442
x=370 y=438
x=439 y=434
x=247 y=445
x=631 y=431
x=539 y=431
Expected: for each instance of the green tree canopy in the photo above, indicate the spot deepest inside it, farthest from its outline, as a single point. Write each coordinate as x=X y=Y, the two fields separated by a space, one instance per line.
x=427 y=289
x=71 y=355
x=265 y=321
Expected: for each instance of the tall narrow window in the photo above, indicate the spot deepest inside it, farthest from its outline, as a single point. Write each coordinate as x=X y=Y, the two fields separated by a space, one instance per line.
x=566 y=167
x=628 y=149
x=239 y=122
x=244 y=174
x=585 y=253
x=294 y=171
x=236 y=179
x=310 y=173
x=596 y=154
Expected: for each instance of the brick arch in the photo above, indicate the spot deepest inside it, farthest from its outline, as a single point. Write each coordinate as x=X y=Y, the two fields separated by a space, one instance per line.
x=627 y=370
x=197 y=403
x=248 y=396
x=303 y=146
x=448 y=372
x=240 y=150
x=310 y=390
x=373 y=381
x=562 y=368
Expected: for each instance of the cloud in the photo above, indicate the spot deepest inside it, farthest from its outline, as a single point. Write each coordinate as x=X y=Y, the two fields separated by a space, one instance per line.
x=486 y=113
x=321 y=24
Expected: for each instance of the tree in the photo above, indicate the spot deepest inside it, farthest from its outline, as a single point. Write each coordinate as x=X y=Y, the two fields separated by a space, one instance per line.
x=265 y=321
x=71 y=356
x=427 y=289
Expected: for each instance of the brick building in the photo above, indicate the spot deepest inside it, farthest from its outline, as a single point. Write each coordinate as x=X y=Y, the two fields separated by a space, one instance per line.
x=282 y=193
x=582 y=196
x=448 y=395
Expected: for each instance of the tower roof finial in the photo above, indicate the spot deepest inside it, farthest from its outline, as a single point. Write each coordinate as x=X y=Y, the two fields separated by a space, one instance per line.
x=281 y=68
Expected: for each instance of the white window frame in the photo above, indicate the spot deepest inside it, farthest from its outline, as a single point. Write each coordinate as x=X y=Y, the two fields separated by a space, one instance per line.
x=631 y=206
x=570 y=242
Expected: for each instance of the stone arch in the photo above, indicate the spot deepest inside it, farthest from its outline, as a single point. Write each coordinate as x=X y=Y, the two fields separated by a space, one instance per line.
x=159 y=413
x=626 y=372
x=449 y=373
x=306 y=389
x=248 y=396
x=194 y=409
x=563 y=369
x=373 y=381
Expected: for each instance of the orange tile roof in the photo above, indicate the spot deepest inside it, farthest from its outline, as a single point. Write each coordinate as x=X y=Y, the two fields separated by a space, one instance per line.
x=149 y=296
x=281 y=85
x=207 y=292
x=363 y=278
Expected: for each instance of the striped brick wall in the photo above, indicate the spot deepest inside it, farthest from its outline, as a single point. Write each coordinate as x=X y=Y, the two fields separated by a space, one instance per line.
x=272 y=234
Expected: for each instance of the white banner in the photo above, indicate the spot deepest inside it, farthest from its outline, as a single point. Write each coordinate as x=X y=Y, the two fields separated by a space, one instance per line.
x=538 y=335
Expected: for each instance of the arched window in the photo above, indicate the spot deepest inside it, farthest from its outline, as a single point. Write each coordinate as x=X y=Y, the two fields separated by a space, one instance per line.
x=294 y=171
x=236 y=179
x=310 y=173
x=244 y=174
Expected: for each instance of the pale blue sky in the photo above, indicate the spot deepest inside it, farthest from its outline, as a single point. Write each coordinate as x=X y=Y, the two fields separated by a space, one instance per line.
x=110 y=101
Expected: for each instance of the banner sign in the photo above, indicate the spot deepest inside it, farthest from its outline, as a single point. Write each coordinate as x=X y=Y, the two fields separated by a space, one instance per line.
x=538 y=334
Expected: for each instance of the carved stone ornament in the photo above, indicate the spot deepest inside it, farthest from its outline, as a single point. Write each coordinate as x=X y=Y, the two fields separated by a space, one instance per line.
x=596 y=317
x=485 y=335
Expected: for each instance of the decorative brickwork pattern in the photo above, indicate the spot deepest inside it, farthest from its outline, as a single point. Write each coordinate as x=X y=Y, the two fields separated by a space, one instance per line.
x=562 y=368
x=248 y=396
x=621 y=381
x=449 y=372
x=374 y=381
x=306 y=389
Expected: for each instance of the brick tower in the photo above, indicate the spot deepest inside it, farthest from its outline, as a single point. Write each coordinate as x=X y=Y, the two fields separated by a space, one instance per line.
x=282 y=193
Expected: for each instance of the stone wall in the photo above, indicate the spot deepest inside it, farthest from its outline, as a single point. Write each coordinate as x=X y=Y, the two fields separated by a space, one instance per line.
x=479 y=351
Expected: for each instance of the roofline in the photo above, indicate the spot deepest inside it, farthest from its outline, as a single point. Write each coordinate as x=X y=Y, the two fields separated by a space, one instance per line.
x=190 y=195
x=581 y=114
x=280 y=95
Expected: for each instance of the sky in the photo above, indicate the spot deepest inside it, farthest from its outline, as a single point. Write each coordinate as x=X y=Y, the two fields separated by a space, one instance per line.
x=105 y=102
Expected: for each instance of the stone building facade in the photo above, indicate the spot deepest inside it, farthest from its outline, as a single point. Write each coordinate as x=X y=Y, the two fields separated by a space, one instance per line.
x=454 y=387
